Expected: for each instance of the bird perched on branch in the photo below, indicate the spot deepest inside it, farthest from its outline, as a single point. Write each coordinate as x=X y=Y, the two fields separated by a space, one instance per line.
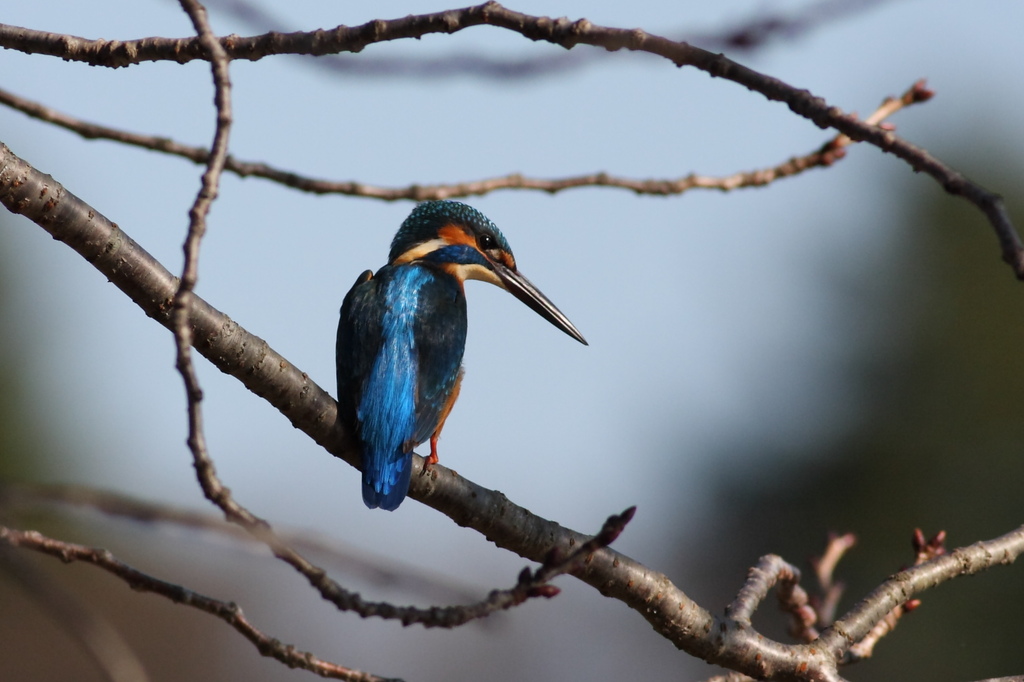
x=403 y=332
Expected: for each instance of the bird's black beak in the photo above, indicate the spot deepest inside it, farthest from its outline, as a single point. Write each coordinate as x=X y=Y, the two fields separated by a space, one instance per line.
x=523 y=289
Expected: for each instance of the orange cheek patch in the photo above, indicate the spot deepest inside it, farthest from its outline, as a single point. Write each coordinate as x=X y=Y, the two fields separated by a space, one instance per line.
x=452 y=269
x=454 y=234
x=507 y=260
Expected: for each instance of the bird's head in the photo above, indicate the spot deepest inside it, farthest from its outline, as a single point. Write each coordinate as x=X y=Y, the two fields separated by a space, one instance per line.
x=463 y=242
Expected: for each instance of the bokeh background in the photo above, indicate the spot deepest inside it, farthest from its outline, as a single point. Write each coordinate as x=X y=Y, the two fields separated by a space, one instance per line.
x=836 y=352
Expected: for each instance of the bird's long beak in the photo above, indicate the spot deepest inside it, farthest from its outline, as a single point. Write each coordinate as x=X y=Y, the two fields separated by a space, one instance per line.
x=523 y=289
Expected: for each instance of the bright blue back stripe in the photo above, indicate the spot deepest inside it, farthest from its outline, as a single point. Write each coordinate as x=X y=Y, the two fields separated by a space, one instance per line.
x=387 y=411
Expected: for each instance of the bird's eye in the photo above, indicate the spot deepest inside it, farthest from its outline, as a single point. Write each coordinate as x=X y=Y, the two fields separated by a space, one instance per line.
x=487 y=242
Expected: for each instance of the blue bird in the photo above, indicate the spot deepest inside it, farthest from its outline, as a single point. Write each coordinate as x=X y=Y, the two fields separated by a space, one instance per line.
x=403 y=332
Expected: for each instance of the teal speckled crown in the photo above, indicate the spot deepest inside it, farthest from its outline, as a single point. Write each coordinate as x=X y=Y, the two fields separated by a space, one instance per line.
x=429 y=217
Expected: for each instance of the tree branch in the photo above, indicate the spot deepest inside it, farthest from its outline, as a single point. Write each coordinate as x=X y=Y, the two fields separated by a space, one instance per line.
x=377 y=569
x=183 y=297
x=531 y=584
x=925 y=551
x=563 y=32
x=226 y=611
x=824 y=570
x=730 y=641
x=902 y=587
x=772 y=571
x=824 y=156
x=671 y=612
x=233 y=350
x=746 y=36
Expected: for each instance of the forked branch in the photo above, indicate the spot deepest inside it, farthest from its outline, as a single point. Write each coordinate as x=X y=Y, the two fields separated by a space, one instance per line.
x=721 y=640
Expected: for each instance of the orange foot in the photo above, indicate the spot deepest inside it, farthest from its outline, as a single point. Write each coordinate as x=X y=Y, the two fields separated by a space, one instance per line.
x=432 y=459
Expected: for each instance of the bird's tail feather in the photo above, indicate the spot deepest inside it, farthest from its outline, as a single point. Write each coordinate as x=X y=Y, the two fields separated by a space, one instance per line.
x=386 y=489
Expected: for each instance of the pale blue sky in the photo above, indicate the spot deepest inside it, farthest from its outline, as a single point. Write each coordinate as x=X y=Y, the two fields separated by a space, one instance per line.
x=711 y=316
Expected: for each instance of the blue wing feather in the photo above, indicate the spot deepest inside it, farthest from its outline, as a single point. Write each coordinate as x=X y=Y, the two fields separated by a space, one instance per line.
x=400 y=343
x=387 y=410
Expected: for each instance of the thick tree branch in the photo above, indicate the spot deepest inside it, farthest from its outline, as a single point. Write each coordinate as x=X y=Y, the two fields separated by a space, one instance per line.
x=727 y=642
x=233 y=350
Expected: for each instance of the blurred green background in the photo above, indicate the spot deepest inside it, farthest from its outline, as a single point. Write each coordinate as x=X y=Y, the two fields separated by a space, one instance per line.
x=837 y=352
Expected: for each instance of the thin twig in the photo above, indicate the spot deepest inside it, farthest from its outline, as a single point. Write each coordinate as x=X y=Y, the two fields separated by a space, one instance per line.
x=754 y=33
x=747 y=36
x=824 y=156
x=228 y=612
x=531 y=584
x=824 y=570
x=353 y=39
x=773 y=571
x=899 y=591
x=379 y=570
x=182 y=306
x=924 y=551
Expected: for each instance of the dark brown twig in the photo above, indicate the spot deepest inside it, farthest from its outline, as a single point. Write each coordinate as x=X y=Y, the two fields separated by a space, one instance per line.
x=226 y=611
x=182 y=303
x=531 y=584
x=746 y=36
x=379 y=570
x=754 y=33
x=824 y=156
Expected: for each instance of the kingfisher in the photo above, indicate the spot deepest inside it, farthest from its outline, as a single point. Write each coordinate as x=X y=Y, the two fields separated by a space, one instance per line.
x=403 y=332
